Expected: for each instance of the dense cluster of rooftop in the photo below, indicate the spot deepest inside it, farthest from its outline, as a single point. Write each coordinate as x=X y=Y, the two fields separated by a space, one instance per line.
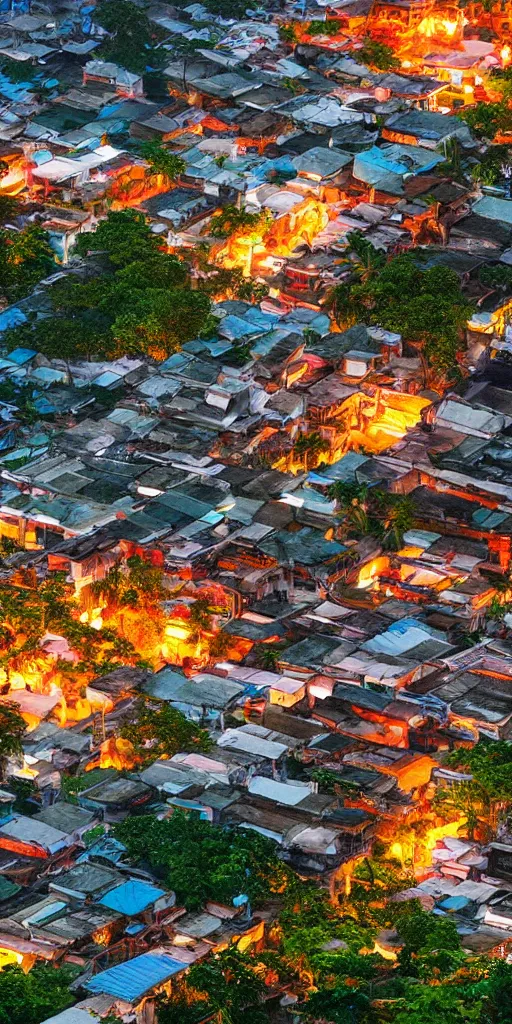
x=255 y=512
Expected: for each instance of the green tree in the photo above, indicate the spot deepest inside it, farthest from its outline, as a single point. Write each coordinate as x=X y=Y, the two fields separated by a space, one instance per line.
x=496 y=275
x=288 y=34
x=18 y=71
x=338 y=1005
x=378 y=55
x=427 y=307
x=400 y=518
x=9 y=208
x=25 y=259
x=132 y=38
x=123 y=236
x=12 y=730
x=310 y=446
x=231 y=219
x=490 y=789
x=158 y=730
x=162 y=161
x=486 y=120
x=202 y=862
x=267 y=656
x=329 y=27
x=231 y=986
x=161 y=321
x=32 y=997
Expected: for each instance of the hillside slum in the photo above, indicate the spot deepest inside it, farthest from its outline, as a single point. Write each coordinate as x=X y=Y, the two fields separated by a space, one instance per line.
x=255 y=480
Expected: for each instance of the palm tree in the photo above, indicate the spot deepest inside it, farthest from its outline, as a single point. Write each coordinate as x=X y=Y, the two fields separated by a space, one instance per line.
x=267 y=656
x=162 y=161
x=310 y=446
x=400 y=519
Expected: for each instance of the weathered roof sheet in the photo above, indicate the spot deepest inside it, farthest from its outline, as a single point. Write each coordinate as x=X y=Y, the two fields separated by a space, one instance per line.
x=133 y=979
x=131 y=897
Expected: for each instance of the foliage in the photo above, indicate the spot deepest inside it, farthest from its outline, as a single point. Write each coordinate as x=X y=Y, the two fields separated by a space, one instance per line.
x=180 y=1010
x=157 y=729
x=329 y=27
x=202 y=862
x=288 y=34
x=229 y=9
x=500 y=82
x=368 y=259
x=19 y=72
x=310 y=446
x=131 y=43
x=230 y=984
x=400 y=517
x=490 y=764
x=9 y=208
x=162 y=161
x=426 y=307
x=93 y=834
x=13 y=392
x=486 y=120
x=267 y=656
x=231 y=219
x=378 y=55
x=123 y=236
x=368 y=510
x=160 y=321
x=141 y=305
x=27 y=612
x=12 y=730
x=338 y=1005
x=31 y=998
x=492 y=164
x=25 y=259
x=496 y=275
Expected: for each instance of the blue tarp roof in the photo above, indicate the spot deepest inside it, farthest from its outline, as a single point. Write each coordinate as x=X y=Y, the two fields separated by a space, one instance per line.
x=107 y=848
x=22 y=355
x=454 y=903
x=132 y=897
x=11 y=317
x=131 y=980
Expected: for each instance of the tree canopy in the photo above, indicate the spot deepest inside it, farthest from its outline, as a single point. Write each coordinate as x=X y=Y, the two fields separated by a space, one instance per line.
x=132 y=40
x=12 y=730
x=486 y=120
x=426 y=306
x=32 y=997
x=137 y=300
x=157 y=729
x=163 y=161
x=25 y=258
x=377 y=55
x=202 y=861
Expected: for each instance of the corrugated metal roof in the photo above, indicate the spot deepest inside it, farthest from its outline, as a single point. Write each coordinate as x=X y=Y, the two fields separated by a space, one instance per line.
x=132 y=897
x=133 y=979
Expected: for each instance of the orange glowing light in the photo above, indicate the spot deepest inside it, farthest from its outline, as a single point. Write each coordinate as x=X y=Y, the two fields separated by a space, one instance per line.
x=505 y=54
x=115 y=752
x=450 y=27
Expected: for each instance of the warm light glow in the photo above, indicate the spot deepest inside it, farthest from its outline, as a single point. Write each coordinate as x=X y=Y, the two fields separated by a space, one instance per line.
x=450 y=27
x=386 y=954
x=115 y=752
x=9 y=956
x=505 y=54
x=452 y=828
x=177 y=632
